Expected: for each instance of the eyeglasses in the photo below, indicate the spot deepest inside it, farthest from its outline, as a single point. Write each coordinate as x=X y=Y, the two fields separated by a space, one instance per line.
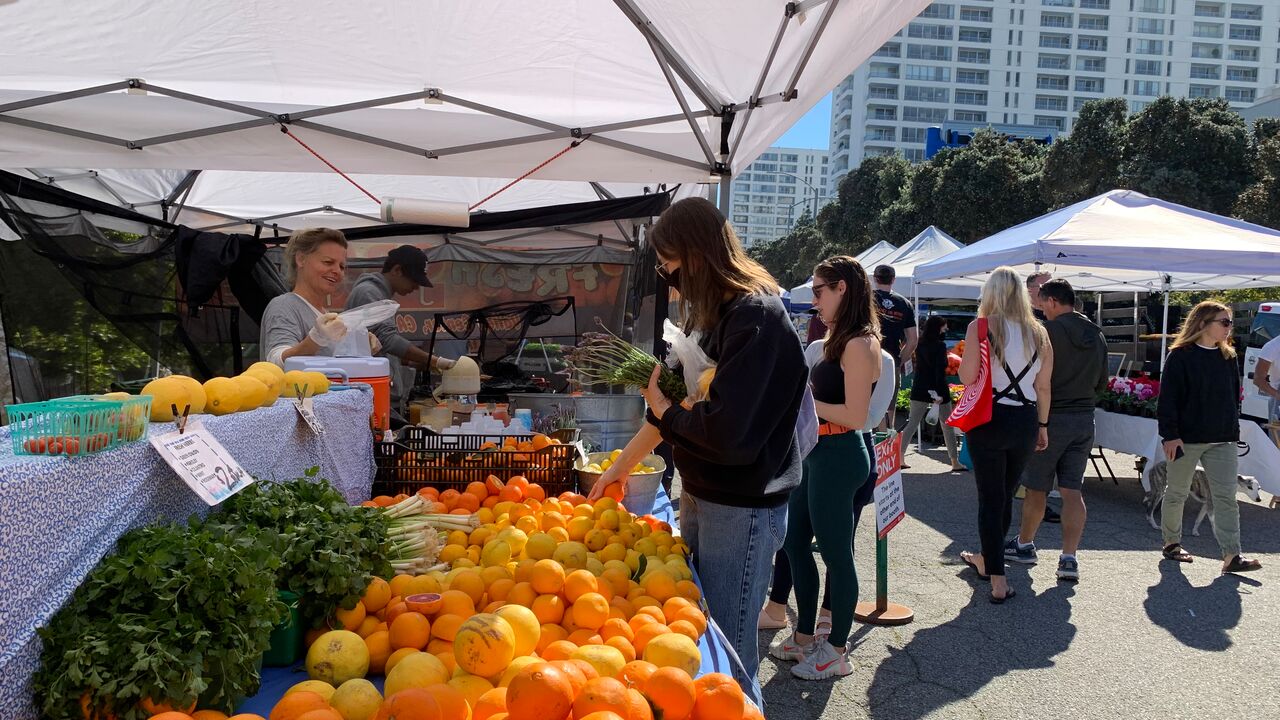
x=817 y=289
x=1224 y=322
x=661 y=269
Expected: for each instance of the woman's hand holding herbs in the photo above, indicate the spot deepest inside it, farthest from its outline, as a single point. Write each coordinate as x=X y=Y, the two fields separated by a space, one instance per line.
x=653 y=395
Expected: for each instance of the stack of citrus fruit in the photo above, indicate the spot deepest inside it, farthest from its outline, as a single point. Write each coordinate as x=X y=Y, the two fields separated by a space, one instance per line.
x=552 y=608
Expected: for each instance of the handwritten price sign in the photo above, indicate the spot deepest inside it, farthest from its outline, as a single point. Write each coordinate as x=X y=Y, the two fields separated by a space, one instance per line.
x=203 y=464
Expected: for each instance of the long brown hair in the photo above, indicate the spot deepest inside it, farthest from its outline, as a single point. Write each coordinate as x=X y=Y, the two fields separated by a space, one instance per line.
x=712 y=261
x=1196 y=323
x=856 y=316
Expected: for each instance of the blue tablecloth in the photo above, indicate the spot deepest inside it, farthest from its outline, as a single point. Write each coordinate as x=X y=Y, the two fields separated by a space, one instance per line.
x=716 y=655
x=60 y=516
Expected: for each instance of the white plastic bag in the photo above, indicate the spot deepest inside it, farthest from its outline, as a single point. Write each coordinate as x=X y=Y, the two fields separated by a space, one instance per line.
x=692 y=360
x=931 y=417
x=358 y=321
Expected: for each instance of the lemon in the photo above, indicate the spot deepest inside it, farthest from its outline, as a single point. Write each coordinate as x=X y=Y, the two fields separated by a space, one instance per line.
x=615 y=454
x=541 y=546
x=274 y=383
x=166 y=394
x=222 y=396
x=497 y=552
x=295 y=381
x=267 y=367
x=572 y=555
x=253 y=392
x=194 y=389
x=319 y=687
x=319 y=383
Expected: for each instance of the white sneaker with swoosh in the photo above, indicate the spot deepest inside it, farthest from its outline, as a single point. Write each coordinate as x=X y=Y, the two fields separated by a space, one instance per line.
x=789 y=649
x=823 y=662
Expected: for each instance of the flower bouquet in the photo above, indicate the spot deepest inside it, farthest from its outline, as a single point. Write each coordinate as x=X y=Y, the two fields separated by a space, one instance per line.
x=1137 y=396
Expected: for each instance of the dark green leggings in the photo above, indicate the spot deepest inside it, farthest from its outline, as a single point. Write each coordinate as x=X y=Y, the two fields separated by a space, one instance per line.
x=823 y=506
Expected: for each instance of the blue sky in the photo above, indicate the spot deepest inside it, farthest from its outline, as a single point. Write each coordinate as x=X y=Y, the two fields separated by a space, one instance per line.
x=811 y=131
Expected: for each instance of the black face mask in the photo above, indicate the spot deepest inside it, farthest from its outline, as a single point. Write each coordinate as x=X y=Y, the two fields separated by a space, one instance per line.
x=673 y=279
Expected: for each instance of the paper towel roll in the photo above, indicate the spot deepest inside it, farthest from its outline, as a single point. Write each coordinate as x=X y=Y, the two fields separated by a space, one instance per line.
x=425 y=212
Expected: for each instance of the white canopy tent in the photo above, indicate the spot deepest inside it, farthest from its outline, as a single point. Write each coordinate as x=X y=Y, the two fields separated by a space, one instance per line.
x=931 y=244
x=643 y=91
x=1123 y=241
x=801 y=296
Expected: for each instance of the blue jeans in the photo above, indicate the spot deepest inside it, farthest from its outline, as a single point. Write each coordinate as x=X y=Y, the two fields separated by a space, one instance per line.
x=735 y=564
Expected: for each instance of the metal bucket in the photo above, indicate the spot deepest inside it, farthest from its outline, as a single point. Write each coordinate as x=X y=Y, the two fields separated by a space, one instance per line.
x=607 y=422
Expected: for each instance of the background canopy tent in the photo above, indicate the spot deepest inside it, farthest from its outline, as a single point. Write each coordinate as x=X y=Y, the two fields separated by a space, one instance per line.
x=649 y=91
x=931 y=244
x=802 y=295
x=1123 y=241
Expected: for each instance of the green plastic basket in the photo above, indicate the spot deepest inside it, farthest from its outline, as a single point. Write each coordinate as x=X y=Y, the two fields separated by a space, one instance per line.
x=286 y=638
x=76 y=426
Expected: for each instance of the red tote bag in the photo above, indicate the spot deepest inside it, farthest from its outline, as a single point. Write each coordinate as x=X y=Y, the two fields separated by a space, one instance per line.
x=974 y=408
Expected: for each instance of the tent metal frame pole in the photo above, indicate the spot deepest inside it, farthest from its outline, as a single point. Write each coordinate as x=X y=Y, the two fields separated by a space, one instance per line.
x=495 y=144
x=788 y=13
x=807 y=5
x=655 y=154
x=1164 y=323
x=650 y=32
x=603 y=193
x=361 y=137
x=642 y=122
x=60 y=130
x=725 y=190
x=112 y=191
x=827 y=12
x=915 y=286
x=665 y=66
x=59 y=97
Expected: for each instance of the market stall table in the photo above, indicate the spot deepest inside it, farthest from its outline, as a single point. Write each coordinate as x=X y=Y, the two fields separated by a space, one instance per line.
x=62 y=515
x=717 y=657
x=1140 y=436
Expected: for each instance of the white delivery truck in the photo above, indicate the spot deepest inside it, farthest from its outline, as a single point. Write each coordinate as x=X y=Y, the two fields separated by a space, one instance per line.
x=1266 y=325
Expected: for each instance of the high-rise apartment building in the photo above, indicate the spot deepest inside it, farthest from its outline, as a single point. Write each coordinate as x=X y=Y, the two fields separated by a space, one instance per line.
x=1035 y=62
x=776 y=190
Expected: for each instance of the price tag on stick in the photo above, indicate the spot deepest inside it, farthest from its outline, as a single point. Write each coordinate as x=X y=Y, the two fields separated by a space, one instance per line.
x=202 y=462
x=307 y=411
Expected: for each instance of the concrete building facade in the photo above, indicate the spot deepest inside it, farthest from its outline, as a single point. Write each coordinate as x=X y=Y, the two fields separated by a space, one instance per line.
x=773 y=192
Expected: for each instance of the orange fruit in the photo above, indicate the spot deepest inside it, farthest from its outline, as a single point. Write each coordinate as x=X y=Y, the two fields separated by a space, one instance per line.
x=636 y=673
x=601 y=715
x=470 y=583
x=653 y=612
x=426 y=603
x=350 y=619
x=171 y=715
x=579 y=583
x=694 y=617
x=491 y=703
x=672 y=607
x=588 y=670
x=718 y=697
x=547 y=577
x=499 y=589
x=590 y=611
x=379 y=645
x=582 y=637
x=478 y=489
x=376 y=595
x=640 y=620
x=446 y=627
x=601 y=694
x=751 y=712
x=322 y=714
x=613 y=627
x=548 y=609
x=536 y=492
x=519 y=481
x=522 y=594
x=297 y=703
x=647 y=633
x=246 y=716
x=395 y=609
x=393 y=659
x=456 y=602
x=369 y=626
x=493 y=485
x=410 y=630
x=453 y=705
x=688 y=589
x=684 y=627
x=672 y=691
x=638 y=706
x=208 y=715
x=440 y=647
x=539 y=692
x=624 y=646
x=468 y=502
x=511 y=493
x=558 y=650
x=550 y=634
x=577 y=678
x=414 y=703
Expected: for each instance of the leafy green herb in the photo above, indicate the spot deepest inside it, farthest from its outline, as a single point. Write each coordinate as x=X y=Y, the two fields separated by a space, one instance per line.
x=178 y=613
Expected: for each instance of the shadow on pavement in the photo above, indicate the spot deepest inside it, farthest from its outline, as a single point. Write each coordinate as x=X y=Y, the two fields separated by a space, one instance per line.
x=951 y=663
x=1198 y=617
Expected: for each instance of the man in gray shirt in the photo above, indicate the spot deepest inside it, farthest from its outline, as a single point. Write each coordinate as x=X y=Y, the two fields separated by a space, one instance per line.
x=403 y=272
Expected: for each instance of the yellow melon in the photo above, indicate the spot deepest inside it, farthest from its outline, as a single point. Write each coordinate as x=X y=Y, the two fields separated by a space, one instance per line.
x=484 y=645
x=166 y=394
x=222 y=396
x=338 y=656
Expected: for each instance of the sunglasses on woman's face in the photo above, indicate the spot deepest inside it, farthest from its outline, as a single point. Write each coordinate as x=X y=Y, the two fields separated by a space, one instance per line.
x=1224 y=322
x=817 y=290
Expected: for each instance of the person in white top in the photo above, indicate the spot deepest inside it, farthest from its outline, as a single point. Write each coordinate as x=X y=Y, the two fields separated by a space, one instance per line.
x=1267 y=376
x=1021 y=375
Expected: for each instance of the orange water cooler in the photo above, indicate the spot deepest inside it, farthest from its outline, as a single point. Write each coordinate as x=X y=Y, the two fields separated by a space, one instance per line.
x=372 y=371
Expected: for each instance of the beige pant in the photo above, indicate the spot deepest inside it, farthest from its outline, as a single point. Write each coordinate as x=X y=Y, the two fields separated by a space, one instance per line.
x=1219 y=462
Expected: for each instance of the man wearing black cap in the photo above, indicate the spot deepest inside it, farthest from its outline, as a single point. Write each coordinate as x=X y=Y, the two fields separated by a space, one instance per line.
x=898 y=331
x=403 y=272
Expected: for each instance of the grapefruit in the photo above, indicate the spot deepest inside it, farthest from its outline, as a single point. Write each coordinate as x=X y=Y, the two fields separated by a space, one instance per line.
x=338 y=656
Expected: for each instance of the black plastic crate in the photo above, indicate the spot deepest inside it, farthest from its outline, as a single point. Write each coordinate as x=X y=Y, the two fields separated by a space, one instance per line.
x=423 y=459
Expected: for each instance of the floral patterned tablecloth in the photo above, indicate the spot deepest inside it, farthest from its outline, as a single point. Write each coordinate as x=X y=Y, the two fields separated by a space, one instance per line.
x=60 y=516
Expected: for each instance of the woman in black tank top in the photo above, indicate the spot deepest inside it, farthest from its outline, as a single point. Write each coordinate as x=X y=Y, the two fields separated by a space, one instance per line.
x=823 y=504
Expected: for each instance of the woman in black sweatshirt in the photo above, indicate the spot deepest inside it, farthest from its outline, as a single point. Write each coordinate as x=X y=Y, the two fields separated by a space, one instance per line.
x=929 y=387
x=736 y=451
x=1199 y=417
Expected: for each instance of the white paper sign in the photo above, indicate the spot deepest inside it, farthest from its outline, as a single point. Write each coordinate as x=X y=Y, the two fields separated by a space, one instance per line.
x=890 y=504
x=306 y=408
x=202 y=463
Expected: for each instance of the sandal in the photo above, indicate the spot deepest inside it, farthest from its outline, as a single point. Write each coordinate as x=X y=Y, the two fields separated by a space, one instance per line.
x=974 y=565
x=1240 y=564
x=1000 y=600
x=1175 y=552
x=961 y=469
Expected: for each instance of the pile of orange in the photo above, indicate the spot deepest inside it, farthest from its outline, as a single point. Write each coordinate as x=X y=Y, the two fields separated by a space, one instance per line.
x=553 y=608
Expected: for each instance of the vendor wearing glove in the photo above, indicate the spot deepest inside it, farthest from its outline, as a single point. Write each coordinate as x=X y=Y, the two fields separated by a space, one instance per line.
x=403 y=272
x=315 y=264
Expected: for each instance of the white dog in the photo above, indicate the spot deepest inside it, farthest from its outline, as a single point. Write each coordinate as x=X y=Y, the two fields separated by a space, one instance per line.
x=1199 y=491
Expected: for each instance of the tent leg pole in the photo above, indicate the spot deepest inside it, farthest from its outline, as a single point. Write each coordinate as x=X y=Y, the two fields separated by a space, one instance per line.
x=726 y=181
x=919 y=429
x=1164 y=326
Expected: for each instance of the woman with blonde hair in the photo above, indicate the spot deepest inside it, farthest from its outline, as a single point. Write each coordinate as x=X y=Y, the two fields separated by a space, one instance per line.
x=1199 y=417
x=315 y=266
x=1021 y=373
x=736 y=451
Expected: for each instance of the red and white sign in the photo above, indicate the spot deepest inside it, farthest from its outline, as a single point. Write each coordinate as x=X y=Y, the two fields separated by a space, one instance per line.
x=890 y=504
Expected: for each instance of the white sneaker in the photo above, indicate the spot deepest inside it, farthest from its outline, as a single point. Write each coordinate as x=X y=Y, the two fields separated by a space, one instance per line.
x=823 y=662
x=789 y=649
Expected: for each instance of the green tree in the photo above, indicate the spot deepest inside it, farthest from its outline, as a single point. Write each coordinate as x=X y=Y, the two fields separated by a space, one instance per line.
x=860 y=199
x=1192 y=152
x=1086 y=163
x=1260 y=202
x=790 y=258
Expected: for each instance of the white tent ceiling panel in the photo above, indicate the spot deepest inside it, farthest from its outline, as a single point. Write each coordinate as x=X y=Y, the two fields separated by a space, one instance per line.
x=505 y=71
